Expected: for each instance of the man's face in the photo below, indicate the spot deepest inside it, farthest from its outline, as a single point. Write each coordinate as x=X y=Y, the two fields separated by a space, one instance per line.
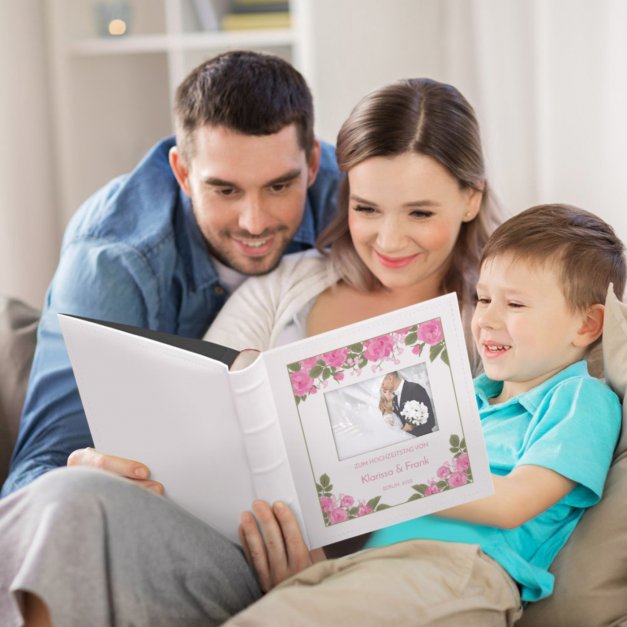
x=390 y=383
x=248 y=192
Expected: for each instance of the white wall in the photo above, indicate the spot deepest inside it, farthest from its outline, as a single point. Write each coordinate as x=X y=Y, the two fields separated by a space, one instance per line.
x=29 y=233
x=548 y=81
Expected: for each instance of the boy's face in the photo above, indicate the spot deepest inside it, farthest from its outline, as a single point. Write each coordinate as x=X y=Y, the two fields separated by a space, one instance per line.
x=522 y=326
x=248 y=192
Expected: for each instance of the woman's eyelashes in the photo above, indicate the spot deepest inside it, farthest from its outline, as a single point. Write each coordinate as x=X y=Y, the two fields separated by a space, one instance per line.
x=420 y=214
x=365 y=209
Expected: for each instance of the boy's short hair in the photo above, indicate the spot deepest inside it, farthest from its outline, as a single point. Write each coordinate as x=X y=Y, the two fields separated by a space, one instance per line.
x=584 y=249
x=249 y=92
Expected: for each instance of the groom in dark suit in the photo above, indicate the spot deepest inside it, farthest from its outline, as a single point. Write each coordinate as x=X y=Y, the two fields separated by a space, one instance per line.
x=404 y=391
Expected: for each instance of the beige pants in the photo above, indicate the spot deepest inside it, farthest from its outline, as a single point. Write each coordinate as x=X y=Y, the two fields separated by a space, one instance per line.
x=420 y=582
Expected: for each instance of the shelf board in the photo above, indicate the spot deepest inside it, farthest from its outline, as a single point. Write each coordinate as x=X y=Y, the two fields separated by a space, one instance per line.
x=139 y=44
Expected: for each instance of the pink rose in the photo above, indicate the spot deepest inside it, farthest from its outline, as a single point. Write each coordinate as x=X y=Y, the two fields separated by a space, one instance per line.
x=443 y=471
x=432 y=488
x=431 y=332
x=404 y=331
x=302 y=383
x=308 y=364
x=338 y=376
x=462 y=462
x=364 y=509
x=335 y=359
x=417 y=349
x=327 y=503
x=378 y=347
x=337 y=515
x=346 y=500
x=455 y=479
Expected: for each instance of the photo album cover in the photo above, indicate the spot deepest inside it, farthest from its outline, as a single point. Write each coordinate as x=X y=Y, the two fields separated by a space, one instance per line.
x=358 y=428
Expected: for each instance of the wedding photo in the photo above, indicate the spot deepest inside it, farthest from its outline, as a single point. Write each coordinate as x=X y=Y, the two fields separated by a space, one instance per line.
x=384 y=410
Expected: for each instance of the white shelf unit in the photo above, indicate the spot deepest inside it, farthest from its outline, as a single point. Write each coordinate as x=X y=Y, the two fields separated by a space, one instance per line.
x=112 y=96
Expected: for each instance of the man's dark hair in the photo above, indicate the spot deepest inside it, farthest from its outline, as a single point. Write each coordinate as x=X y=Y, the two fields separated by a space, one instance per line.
x=247 y=92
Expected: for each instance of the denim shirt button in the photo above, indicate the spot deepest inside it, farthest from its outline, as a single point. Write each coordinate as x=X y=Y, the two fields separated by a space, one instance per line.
x=218 y=289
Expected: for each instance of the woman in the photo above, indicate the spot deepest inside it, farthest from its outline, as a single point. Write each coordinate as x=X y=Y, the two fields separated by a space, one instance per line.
x=414 y=213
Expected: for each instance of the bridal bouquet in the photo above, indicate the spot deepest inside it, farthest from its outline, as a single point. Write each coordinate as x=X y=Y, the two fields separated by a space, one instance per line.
x=415 y=412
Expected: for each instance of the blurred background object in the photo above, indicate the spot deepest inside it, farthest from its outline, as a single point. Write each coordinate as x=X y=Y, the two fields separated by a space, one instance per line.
x=548 y=81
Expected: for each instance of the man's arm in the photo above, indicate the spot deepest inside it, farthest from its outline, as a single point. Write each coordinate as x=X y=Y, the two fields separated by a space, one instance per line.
x=98 y=280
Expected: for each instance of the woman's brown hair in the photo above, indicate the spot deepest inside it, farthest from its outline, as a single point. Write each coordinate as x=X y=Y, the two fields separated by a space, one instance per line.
x=425 y=117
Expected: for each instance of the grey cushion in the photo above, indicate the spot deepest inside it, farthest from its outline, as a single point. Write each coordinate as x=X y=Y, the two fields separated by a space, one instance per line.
x=591 y=570
x=18 y=329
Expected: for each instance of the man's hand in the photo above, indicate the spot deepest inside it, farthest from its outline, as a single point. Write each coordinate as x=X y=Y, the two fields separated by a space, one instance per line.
x=273 y=544
x=121 y=466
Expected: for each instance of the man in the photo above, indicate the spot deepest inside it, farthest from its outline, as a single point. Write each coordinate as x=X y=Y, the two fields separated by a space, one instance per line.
x=411 y=403
x=162 y=247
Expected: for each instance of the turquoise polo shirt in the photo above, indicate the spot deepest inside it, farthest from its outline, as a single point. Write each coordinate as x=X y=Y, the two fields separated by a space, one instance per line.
x=569 y=424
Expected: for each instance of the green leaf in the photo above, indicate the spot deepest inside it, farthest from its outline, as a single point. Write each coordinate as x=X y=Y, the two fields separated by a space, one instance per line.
x=325 y=481
x=381 y=507
x=357 y=348
x=326 y=373
x=353 y=511
x=315 y=372
x=444 y=357
x=295 y=367
x=415 y=496
x=443 y=485
x=462 y=444
x=435 y=350
x=454 y=441
x=319 y=489
x=420 y=487
x=411 y=338
x=372 y=503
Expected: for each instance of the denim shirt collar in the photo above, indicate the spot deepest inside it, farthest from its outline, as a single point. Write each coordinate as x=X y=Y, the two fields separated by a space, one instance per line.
x=486 y=388
x=193 y=247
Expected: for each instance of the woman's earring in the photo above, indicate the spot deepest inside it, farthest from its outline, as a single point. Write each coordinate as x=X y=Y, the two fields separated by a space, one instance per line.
x=468 y=214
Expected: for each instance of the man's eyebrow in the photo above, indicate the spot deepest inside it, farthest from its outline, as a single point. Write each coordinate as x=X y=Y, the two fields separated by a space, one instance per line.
x=283 y=178
x=218 y=182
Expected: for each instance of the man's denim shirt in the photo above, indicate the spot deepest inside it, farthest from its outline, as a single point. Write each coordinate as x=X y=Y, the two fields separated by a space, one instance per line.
x=133 y=253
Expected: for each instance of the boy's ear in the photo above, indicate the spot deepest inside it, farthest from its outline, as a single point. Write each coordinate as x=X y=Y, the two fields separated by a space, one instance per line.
x=592 y=326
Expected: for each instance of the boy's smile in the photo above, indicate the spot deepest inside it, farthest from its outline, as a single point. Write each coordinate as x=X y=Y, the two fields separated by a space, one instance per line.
x=523 y=327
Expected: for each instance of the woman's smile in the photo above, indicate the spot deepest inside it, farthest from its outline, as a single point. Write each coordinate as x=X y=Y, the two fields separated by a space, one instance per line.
x=395 y=262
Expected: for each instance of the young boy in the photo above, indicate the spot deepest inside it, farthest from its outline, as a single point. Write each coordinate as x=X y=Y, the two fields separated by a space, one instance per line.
x=550 y=430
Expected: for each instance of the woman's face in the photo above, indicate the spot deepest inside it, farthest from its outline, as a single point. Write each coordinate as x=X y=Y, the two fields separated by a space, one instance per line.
x=404 y=216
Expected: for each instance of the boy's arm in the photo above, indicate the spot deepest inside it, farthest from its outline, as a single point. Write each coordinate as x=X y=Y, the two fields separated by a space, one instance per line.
x=523 y=494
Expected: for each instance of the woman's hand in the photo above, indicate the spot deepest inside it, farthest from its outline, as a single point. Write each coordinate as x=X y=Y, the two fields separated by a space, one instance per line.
x=273 y=544
x=128 y=468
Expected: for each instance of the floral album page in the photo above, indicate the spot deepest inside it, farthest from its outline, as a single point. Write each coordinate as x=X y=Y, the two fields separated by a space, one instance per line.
x=380 y=420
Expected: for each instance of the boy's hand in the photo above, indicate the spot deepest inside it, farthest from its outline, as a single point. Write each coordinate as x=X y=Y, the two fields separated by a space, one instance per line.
x=128 y=468
x=273 y=543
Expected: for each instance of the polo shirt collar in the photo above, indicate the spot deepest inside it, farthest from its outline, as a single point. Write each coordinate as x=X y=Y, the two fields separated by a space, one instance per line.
x=486 y=388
